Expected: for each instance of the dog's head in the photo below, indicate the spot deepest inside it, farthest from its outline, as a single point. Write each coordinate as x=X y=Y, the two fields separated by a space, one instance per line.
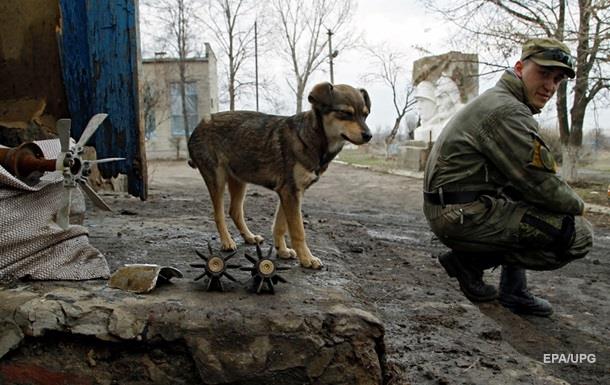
x=344 y=110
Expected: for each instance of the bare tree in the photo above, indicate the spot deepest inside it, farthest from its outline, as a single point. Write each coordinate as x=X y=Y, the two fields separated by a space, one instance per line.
x=503 y=25
x=150 y=102
x=154 y=97
x=231 y=22
x=178 y=33
x=598 y=139
x=303 y=26
x=390 y=71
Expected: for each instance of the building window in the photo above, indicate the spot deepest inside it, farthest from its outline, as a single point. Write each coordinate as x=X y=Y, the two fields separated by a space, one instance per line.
x=177 y=122
x=150 y=103
x=150 y=125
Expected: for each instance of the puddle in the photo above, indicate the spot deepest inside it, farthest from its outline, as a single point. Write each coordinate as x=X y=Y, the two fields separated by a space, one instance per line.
x=408 y=236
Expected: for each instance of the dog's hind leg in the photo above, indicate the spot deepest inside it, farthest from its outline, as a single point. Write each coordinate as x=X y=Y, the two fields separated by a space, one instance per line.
x=279 y=231
x=216 y=187
x=291 y=205
x=237 y=190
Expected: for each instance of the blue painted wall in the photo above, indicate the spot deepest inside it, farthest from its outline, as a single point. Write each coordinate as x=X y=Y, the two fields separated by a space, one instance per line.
x=100 y=54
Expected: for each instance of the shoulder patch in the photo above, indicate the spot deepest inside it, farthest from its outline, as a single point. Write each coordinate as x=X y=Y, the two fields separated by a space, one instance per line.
x=542 y=157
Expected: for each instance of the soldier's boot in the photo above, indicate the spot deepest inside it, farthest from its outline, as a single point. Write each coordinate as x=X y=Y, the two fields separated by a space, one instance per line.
x=515 y=296
x=469 y=274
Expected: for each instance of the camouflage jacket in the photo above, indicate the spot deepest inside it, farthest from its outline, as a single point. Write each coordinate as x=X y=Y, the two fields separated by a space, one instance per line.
x=493 y=143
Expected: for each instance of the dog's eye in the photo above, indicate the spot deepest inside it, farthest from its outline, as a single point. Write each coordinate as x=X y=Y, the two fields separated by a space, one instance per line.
x=345 y=115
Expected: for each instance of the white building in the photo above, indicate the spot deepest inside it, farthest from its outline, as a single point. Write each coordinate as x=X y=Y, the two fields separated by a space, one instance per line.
x=162 y=104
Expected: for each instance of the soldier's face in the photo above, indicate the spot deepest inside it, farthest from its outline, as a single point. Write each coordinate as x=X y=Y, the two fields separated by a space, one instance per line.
x=540 y=82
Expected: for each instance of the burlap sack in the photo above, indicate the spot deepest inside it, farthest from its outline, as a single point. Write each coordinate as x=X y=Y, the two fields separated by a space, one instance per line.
x=32 y=245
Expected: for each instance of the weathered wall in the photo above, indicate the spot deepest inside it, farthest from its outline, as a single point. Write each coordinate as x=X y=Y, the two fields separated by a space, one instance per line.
x=100 y=56
x=29 y=58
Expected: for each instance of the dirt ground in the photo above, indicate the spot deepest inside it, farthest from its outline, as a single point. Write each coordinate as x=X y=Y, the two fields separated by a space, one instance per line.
x=369 y=230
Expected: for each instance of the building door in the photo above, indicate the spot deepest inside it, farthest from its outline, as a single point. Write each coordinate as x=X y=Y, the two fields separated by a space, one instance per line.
x=100 y=56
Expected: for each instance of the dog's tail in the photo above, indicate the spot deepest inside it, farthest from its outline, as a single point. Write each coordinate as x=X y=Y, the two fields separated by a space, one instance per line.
x=191 y=163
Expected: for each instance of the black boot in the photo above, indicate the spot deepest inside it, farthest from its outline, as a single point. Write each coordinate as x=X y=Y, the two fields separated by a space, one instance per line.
x=470 y=276
x=515 y=296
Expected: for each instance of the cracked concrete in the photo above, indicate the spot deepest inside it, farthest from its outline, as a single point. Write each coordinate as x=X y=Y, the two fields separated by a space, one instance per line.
x=232 y=337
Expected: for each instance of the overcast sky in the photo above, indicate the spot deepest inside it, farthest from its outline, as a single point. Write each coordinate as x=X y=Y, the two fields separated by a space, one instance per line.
x=401 y=24
x=404 y=25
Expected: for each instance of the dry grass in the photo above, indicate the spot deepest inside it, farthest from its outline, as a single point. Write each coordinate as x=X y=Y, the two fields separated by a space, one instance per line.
x=589 y=191
x=367 y=156
x=593 y=192
x=600 y=161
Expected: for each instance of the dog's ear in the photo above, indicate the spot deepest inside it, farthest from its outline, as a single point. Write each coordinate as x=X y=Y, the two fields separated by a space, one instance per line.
x=367 y=100
x=321 y=94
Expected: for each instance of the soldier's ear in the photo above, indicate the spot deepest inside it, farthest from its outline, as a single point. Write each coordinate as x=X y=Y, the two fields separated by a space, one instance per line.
x=367 y=100
x=321 y=94
x=519 y=69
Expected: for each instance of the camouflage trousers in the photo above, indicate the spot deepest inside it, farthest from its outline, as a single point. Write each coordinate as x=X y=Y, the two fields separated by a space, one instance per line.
x=512 y=232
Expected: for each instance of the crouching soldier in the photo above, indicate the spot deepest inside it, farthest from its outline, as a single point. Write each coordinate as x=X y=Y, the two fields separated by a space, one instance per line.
x=491 y=192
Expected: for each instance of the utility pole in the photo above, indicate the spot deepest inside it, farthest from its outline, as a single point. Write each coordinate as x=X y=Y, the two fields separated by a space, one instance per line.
x=256 y=62
x=331 y=55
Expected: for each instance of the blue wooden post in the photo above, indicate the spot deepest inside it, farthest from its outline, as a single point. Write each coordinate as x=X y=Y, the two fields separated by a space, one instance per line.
x=99 y=50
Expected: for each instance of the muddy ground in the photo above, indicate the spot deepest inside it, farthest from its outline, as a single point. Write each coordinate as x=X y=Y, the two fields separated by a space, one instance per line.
x=369 y=230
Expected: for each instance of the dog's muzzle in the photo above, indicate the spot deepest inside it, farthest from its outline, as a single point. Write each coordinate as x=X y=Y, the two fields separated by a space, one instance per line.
x=366 y=136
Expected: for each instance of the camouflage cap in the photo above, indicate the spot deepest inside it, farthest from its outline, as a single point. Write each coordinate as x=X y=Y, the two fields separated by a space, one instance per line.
x=549 y=52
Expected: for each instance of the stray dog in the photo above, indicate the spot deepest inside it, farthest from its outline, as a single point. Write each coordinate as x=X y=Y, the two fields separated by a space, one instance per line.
x=286 y=154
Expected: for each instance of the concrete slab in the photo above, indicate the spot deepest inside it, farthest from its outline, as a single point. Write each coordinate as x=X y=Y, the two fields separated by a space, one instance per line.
x=303 y=334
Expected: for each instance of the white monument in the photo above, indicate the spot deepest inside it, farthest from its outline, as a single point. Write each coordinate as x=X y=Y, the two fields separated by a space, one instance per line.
x=444 y=83
x=436 y=104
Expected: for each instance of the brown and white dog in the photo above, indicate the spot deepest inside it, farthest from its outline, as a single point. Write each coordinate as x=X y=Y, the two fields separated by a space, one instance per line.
x=286 y=154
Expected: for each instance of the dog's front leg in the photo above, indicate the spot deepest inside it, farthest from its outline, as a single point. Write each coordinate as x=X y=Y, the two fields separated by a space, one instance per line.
x=291 y=205
x=280 y=227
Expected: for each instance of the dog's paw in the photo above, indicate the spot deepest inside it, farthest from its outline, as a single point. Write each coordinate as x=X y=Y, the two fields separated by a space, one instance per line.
x=286 y=253
x=312 y=263
x=228 y=245
x=254 y=239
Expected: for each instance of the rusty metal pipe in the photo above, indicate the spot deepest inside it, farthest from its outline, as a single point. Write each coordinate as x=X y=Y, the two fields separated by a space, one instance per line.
x=25 y=161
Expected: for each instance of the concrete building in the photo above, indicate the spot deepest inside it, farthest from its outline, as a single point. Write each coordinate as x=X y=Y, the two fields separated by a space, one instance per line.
x=162 y=104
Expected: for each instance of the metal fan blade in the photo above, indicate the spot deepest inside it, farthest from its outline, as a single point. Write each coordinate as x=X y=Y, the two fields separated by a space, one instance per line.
x=230 y=255
x=92 y=126
x=249 y=258
x=63 y=215
x=105 y=160
x=260 y=286
x=280 y=279
x=199 y=265
x=201 y=255
x=210 y=249
x=96 y=199
x=63 y=131
x=230 y=277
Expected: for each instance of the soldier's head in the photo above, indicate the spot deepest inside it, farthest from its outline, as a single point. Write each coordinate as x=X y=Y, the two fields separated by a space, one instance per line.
x=544 y=64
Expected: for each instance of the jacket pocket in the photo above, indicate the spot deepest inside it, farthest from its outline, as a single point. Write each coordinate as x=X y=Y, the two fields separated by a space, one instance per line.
x=469 y=213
